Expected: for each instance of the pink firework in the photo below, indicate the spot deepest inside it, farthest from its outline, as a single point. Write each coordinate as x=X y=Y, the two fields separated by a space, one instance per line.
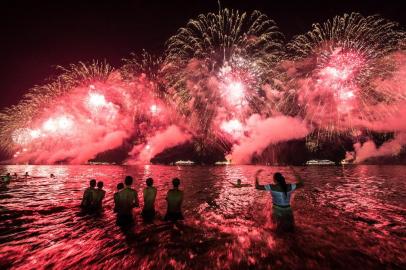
x=336 y=63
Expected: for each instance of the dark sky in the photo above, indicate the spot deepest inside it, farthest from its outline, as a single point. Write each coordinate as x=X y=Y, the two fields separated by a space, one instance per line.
x=36 y=36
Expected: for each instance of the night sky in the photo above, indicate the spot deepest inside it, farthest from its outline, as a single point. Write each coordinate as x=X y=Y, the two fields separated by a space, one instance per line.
x=39 y=35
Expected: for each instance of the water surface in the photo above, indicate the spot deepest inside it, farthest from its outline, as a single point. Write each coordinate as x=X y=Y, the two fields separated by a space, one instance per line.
x=346 y=218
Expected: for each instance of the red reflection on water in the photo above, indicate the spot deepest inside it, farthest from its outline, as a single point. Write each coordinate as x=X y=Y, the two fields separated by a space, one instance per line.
x=345 y=217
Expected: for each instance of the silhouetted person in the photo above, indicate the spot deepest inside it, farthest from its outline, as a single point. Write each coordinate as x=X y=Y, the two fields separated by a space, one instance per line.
x=127 y=200
x=281 y=193
x=98 y=197
x=148 y=211
x=174 y=199
x=7 y=178
x=120 y=186
x=52 y=175
x=239 y=184
x=26 y=174
x=88 y=195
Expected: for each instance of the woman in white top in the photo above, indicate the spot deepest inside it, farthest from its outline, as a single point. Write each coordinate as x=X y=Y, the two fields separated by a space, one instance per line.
x=281 y=193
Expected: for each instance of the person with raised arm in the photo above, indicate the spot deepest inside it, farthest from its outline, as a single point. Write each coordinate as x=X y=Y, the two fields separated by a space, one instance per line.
x=238 y=184
x=281 y=193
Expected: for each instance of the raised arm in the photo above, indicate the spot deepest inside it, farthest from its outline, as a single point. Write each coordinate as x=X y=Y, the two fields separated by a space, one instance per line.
x=299 y=179
x=257 y=185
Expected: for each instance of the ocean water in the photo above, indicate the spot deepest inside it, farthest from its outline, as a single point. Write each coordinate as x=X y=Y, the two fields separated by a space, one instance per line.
x=346 y=218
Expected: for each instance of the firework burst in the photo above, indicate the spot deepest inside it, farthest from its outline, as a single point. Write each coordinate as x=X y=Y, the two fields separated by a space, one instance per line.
x=337 y=62
x=86 y=110
x=221 y=60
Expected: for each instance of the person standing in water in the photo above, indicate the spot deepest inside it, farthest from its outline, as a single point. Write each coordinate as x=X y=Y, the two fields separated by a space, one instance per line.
x=120 y=186
x=98 y=197
x=127 y=200
x=174 y=198
x=281 y=194
x=7 y=178
x=88 y=195
x=148 y=211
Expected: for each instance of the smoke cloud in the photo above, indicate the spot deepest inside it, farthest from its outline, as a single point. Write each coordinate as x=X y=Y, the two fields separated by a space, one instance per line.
x=168 y=138
x=260 y=133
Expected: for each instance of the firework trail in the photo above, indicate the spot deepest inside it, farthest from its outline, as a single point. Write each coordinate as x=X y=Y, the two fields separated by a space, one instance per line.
x=335 y=65
x=215 y=67
x=86 y=110
x=226 y=85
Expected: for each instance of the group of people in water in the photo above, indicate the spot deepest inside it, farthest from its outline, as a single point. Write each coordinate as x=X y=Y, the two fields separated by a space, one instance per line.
x=126 y=199
x=6 y=179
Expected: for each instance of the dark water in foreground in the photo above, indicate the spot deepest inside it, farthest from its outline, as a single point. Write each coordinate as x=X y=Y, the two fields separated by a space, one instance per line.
x=346 y=218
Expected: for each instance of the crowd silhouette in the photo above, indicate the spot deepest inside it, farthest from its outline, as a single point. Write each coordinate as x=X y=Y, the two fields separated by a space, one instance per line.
x=126 y=199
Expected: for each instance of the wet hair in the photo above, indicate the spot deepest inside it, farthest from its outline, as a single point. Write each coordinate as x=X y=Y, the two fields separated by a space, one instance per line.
x=280 y=180
x=238 y=181
x=175 y=182
x=93 y=182
x=128 y=180
x=100 y=184
x=149 y=181
x=120 y=186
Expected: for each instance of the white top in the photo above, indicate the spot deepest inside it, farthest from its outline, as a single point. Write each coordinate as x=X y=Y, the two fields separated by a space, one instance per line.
x=279 y=197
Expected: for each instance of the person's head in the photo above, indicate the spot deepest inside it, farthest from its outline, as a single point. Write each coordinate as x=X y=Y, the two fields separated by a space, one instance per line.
x=280 y=180
x=149 y=181
x=8 y=174
x=52 y=175
x=238 y=181
x=120 y=186
x=100 y=184
x=128 y=180
x=93 y=182
x=175 y=182
x=26 y=173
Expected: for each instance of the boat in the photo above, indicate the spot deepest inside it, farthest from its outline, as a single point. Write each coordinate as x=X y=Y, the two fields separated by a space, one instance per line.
x=320 y=162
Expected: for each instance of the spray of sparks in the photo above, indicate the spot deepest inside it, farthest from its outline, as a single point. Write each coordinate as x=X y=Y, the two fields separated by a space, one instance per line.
x=215 y=67
x=225 y=82
x=341 y=58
